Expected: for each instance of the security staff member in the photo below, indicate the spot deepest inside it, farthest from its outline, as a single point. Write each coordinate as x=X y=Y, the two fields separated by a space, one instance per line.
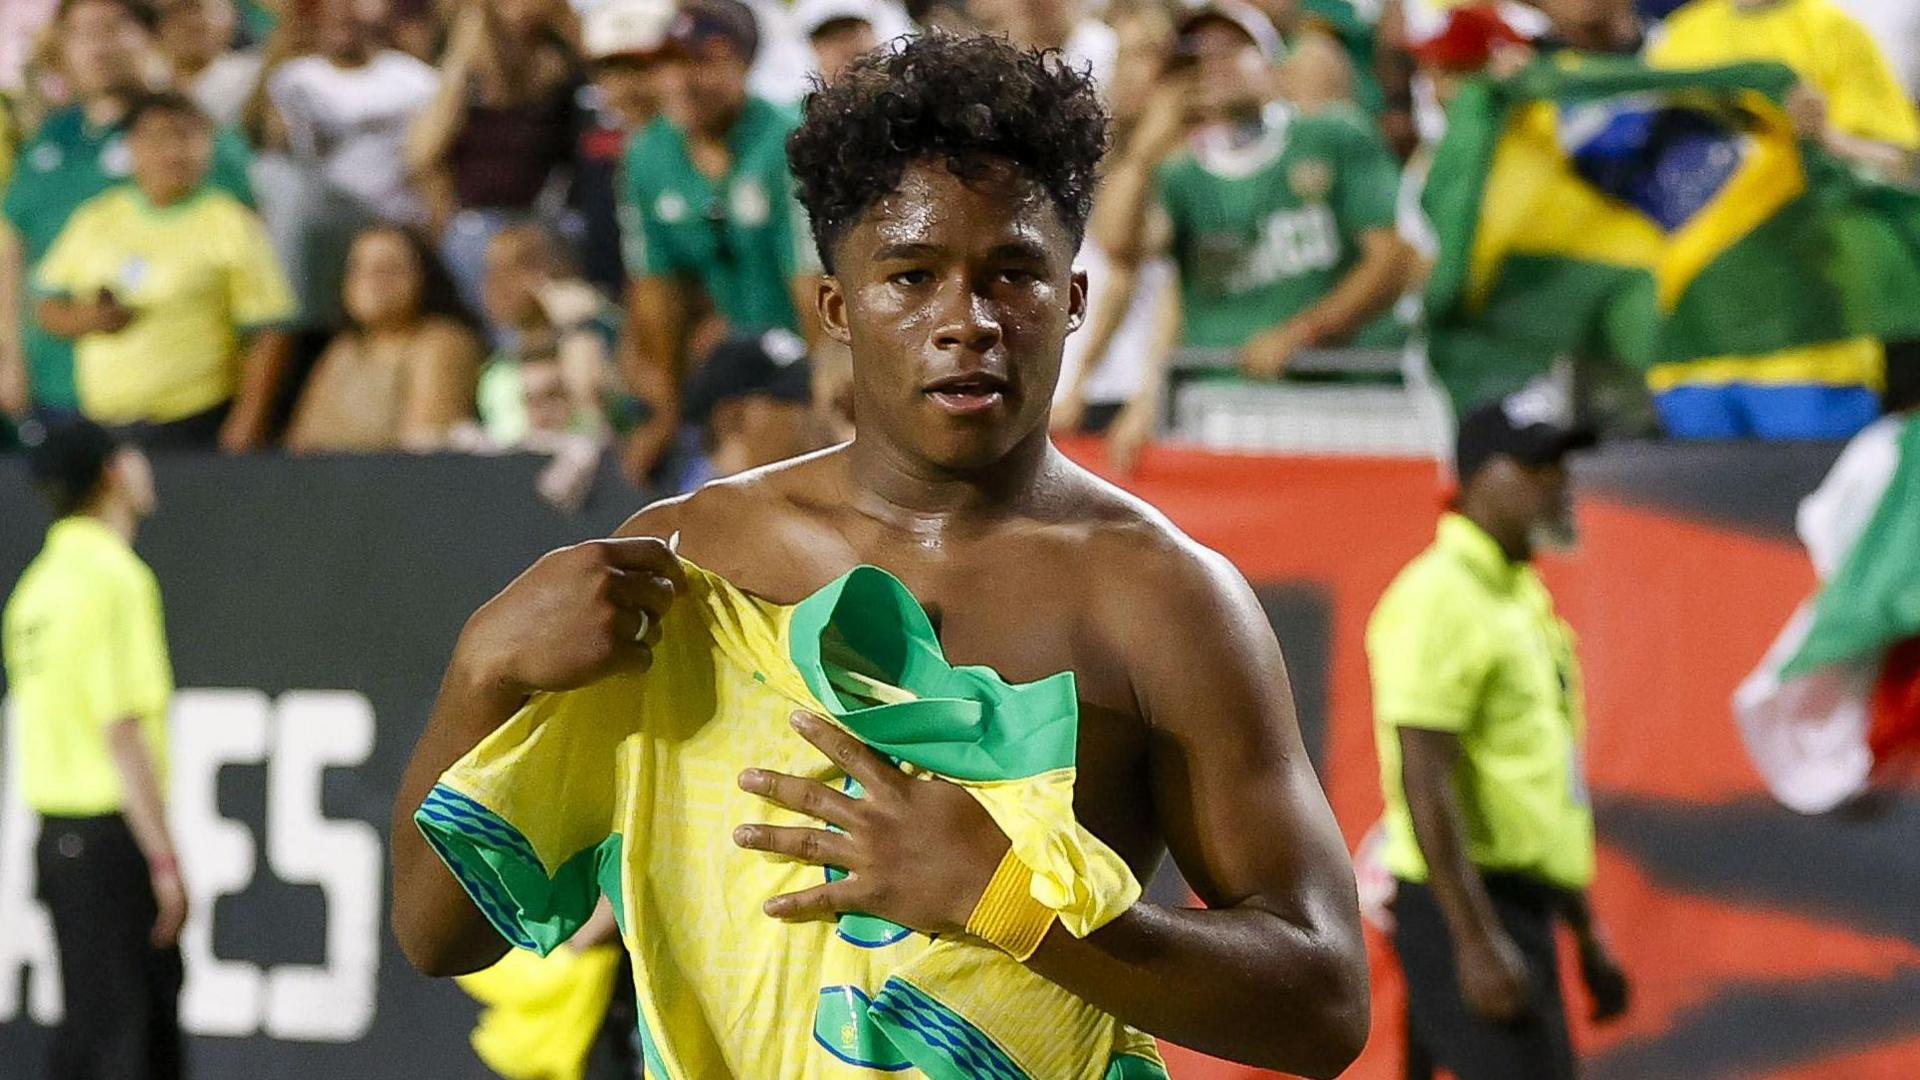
x=86 y=661
x=1479 y=725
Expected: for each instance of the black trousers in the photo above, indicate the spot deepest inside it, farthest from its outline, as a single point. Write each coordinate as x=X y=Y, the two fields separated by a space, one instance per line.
x=122 y=993
x=201 y=431
x=1442 y=1029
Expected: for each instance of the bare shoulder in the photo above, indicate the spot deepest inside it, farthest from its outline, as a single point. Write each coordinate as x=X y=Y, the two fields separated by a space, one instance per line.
x=722 y=511
x=442 y=338
x=1181 y=620
x=1142 y=557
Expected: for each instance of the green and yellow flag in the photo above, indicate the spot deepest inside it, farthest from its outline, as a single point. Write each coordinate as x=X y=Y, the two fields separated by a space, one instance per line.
x=1595 y=206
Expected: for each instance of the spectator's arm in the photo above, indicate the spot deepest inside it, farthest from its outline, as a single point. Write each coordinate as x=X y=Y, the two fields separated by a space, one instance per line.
x=1140 y=417
x=64 y=316
x=14 y=397
x=307 y=430
x=657 y=314
x=1110 y=310
x=1375 y=282
x=263 y=367
x=1122 y=215
x=432 y=134
x=441 y=389
x=584 y=368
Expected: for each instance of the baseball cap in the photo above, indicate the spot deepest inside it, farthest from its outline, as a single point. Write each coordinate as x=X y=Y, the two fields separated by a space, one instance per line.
x=1250 y=20
x=773 y=365
x=67 y=458
x=1467 y=39
x=810 y=15
x=700 y=21
x=1526 y=426
x=626 y=28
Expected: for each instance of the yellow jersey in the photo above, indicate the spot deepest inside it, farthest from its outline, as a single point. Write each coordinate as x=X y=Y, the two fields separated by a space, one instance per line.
x=1821 y=43
x=1466 y=641
x=197 y=273
x=85 y=648
x=627 y=787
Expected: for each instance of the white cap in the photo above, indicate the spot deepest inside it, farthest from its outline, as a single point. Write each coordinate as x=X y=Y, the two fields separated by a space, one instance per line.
x=810 y=15
x=626 y=27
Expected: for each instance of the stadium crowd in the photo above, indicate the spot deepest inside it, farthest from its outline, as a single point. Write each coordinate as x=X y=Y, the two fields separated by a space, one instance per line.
x=482 y=225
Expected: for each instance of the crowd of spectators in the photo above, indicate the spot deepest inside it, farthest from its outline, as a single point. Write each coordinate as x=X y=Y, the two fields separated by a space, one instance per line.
x=485 y=225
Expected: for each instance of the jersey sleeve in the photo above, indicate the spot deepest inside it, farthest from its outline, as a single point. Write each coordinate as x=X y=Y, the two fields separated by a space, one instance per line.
x=1428 y=658
x=1864 y=97
x=127 y=675
x=257 y=288
x=1368 y=188
x=526 y=817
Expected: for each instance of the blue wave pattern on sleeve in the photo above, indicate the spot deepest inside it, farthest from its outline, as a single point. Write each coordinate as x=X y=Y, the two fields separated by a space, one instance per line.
x=445 y=814
x=975 y=1055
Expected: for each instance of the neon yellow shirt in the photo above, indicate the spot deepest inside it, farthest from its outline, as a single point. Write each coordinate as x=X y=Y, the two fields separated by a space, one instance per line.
x=628 y=787
x=1465 y=641
x=85 y=647
x=198 y=273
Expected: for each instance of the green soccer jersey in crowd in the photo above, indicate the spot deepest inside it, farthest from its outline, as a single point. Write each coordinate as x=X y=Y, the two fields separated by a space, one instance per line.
x=743 y=238
x=1263 y=231
x=68 y=161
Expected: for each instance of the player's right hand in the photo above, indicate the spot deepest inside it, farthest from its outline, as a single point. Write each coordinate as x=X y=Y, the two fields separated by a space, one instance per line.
x=578 y=614
x=1494 y=979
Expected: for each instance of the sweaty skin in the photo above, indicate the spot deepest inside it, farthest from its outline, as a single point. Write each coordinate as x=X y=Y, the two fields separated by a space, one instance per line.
x=1027 y=563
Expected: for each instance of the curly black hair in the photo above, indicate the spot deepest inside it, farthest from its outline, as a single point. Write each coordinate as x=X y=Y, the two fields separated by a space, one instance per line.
x=973 y=101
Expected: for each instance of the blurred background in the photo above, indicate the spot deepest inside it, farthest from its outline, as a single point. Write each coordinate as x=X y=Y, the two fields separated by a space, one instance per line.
x=438 y=285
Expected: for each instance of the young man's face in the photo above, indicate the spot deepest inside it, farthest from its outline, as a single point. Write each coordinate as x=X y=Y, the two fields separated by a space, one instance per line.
x=101 y=47
x=1232 y=74
x=635 y=88
x=956 y=299
x=192 y=31
x=715 y=81
x=171 y=153
x=510 y=288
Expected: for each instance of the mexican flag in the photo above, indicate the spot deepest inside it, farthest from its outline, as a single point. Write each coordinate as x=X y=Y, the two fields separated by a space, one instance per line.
x=1836 y=701
x=1595 y=206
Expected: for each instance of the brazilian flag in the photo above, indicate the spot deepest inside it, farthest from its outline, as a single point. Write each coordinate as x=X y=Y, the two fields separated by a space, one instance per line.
x=1598 y=207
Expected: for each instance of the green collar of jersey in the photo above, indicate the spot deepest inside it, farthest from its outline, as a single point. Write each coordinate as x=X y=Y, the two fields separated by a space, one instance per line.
x=964 y=722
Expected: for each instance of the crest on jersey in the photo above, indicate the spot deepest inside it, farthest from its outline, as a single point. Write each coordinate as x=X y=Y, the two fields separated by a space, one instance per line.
x=1311 y=179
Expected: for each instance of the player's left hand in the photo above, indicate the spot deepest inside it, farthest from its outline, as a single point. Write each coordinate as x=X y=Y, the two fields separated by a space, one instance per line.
x=917 y=852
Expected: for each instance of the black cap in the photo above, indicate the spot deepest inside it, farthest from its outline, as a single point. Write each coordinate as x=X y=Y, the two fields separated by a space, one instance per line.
x=67 y=459
x=772 y=365
x=700 y=21
x=1521 y=426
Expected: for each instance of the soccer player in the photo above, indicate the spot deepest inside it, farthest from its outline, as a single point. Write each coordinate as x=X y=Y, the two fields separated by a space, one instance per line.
x=86 y=657
x=948 y=184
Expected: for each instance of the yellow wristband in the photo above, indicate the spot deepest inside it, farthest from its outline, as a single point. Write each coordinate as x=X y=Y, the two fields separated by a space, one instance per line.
x=1007 y=916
